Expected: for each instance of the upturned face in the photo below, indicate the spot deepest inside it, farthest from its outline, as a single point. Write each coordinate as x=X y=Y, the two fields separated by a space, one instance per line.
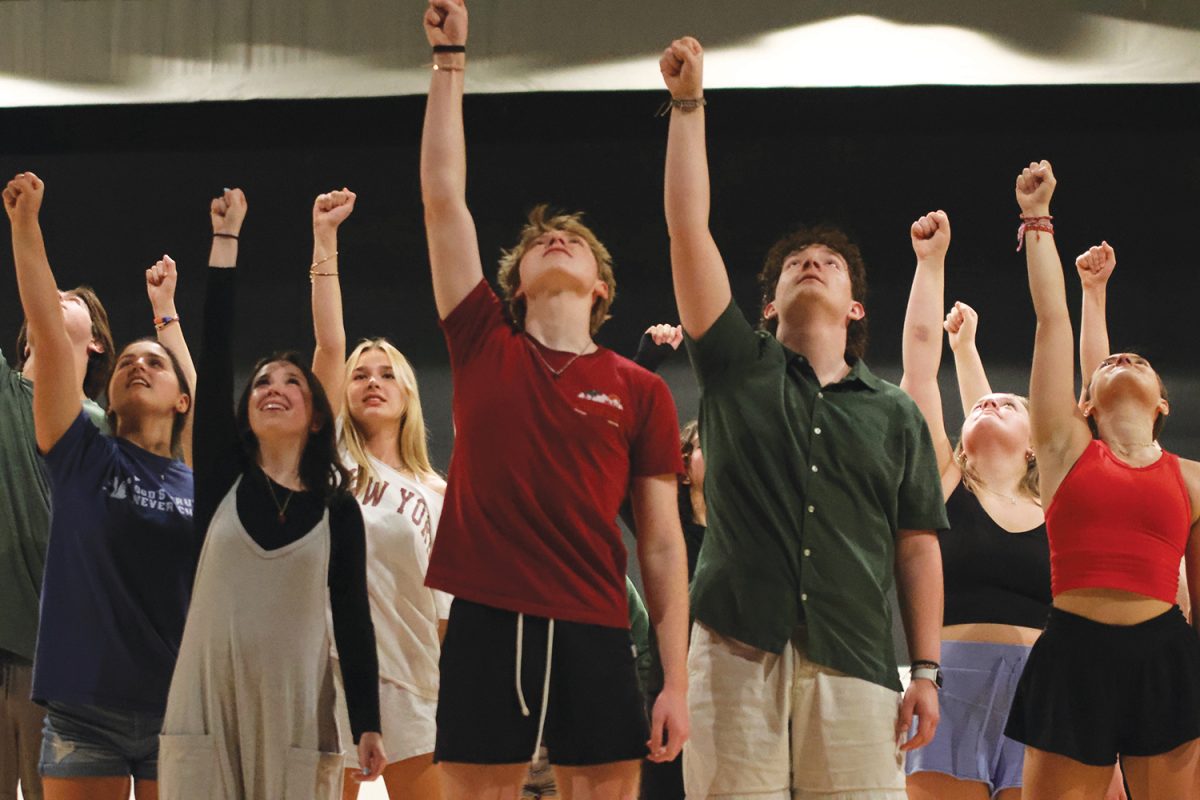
x=815 y=277
x=997 y=420
x=374 y=393
x=144 y=383
x=558 y=261
x=1123 y=373
x=77 y=317
x=280 y=402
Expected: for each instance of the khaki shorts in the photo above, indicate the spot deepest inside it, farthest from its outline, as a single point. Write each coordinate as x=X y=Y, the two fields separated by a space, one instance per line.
x=769 y=726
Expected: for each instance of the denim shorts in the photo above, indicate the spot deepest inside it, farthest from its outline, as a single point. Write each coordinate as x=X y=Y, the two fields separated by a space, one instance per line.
x=82 y=741
x=980 y=681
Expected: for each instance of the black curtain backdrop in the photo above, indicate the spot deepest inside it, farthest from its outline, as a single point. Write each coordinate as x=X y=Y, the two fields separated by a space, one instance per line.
x=126 y=184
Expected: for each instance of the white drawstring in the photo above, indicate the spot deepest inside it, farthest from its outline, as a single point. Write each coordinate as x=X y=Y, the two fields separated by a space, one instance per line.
x=520 y=639
x=537 y=745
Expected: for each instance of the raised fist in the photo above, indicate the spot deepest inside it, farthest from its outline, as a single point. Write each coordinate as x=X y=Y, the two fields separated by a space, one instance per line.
x=1035 y=185
x=23 y=197
x=160 y=284
x=1096 y=265
x=961 y=324
x=446 y=22
x=682 y=68
x=666 y=334
x=228 y=211
x=331 y=209
x=931 y=235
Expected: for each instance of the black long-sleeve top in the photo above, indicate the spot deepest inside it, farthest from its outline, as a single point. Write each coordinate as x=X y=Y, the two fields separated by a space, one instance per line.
x=220 y=460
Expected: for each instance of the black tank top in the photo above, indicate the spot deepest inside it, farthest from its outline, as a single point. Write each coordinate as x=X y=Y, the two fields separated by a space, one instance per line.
x=992 y=575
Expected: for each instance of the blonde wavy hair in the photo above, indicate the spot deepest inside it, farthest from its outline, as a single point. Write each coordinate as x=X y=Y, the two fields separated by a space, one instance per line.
x=1029 y=483
x=414 y=449
x=542 y=220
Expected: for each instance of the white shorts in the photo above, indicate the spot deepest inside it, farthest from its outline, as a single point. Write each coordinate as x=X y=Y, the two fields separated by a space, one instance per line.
x=407 y=720
x=742 y=701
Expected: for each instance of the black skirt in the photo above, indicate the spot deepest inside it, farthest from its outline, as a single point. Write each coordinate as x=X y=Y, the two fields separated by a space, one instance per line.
x=1091 y=691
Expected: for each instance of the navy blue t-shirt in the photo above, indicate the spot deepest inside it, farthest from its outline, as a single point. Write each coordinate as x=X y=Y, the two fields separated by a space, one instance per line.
x=119 y=570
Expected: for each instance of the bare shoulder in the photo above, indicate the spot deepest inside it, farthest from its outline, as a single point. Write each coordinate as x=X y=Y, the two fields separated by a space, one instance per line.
x=1191 y=478
x=435 y=483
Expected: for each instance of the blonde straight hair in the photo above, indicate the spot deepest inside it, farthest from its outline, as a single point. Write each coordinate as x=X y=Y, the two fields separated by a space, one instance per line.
x=414 y=450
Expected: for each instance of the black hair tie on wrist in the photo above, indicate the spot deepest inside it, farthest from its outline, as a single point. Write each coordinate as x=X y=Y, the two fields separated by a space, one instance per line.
x=449 y=48
x=225 y=235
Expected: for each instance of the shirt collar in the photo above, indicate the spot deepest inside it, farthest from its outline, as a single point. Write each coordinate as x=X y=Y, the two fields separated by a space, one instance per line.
x=859 y=372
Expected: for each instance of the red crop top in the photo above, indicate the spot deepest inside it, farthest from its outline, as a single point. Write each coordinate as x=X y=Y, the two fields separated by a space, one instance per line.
x=1113 y=526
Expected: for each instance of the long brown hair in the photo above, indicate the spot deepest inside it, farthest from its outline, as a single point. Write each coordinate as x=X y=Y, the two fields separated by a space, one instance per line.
x=321 y=470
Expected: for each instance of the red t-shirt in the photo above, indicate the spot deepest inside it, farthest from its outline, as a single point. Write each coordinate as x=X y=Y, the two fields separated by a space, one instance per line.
x=540 y=467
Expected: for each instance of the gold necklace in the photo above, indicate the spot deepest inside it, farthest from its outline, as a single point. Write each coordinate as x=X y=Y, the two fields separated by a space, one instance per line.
x=556 y=372
x=282 y=509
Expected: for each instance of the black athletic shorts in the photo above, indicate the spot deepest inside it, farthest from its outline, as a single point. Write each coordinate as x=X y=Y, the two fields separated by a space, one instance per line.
x=1091 y=691
x=594 y=714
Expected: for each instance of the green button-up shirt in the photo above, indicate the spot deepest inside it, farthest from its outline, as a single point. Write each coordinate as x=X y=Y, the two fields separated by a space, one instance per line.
x=806 y=487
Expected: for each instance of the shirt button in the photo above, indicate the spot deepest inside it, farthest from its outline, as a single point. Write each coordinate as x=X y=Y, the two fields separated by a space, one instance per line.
x=803 y=598
x=807 y=552
x=817 y=431
x=814 y=467
x=820 y=395
x=811 y=509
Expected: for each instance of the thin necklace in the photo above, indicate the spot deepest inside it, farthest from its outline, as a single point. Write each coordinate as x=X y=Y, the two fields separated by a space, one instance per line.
x=556 y=372
x=282 y=509
x=1128 y=451
x=1012 y=501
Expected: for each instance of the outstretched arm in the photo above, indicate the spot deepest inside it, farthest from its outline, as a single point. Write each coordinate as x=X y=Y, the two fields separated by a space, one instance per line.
x=330 y=210
x=922 y=342
x=1095 y=267
x=701 y=283
x=449 y=228
x=1060 y=433
x=160 y=288
x=961 y=324
x=217 y=442
x=57 y=399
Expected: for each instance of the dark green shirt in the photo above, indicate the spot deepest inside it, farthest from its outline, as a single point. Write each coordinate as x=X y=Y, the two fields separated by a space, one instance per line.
x=24 y=514
x=806 y=487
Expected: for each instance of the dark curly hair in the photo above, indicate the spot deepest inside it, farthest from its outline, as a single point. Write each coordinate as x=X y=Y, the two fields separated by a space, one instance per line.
x=837 y=241
x=321 y=470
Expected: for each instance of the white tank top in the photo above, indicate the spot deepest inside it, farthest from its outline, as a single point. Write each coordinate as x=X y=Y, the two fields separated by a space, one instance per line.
x=400 y=516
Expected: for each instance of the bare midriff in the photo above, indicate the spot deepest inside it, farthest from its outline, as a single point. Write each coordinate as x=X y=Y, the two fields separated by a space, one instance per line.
x=991 y=633
x=1111 y=606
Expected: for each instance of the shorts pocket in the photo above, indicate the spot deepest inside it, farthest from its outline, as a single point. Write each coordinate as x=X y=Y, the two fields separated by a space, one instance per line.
x=313 y=775
x=187 y=767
